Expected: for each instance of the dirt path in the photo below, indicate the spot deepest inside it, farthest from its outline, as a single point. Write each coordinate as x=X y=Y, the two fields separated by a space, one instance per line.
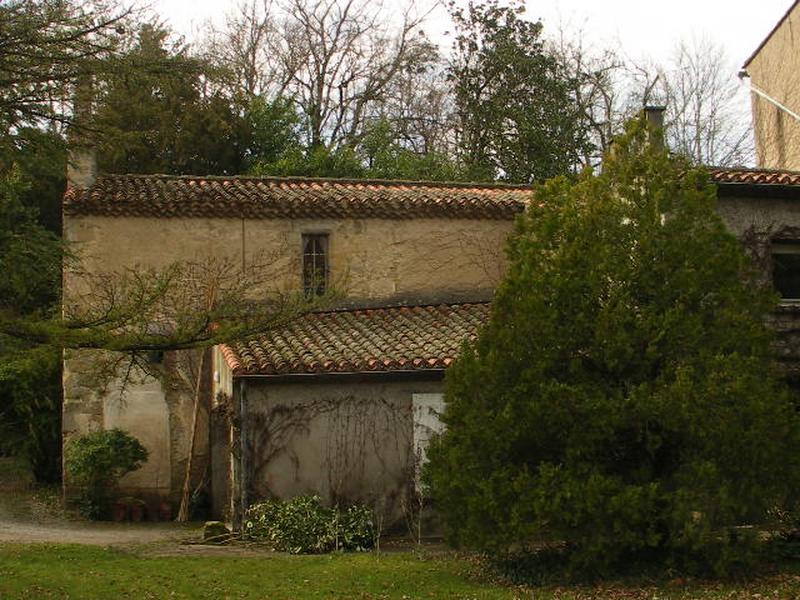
x=28 y=516
x=99 y=534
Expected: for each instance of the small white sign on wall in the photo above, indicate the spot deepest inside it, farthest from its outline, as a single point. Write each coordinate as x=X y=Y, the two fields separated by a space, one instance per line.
x=426 y=410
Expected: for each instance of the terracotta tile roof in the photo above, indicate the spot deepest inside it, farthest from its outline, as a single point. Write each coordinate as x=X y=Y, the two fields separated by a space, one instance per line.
x=294 y=197
x=754 y=176
x=413 y=338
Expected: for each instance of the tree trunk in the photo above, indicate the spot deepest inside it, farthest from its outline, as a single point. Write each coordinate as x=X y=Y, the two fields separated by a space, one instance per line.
x=183 y=511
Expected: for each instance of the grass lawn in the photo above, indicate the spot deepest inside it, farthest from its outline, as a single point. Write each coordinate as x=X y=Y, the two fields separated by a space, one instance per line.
x=69 y=571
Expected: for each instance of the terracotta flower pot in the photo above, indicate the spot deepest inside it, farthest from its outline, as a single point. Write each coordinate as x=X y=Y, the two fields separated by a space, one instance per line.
x=165 y=511
x=137 y=512
x=119 y=512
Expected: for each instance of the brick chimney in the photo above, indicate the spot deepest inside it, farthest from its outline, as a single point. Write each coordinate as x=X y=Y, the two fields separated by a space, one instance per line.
x=81 y=155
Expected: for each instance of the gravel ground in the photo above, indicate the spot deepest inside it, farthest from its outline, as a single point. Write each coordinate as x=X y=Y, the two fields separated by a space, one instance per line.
x=98 y=534
x=34 y=515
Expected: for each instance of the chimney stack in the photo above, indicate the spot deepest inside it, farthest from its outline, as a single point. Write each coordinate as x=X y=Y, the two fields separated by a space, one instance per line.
x=81 y=156
x=654 y=118
x=81 y=167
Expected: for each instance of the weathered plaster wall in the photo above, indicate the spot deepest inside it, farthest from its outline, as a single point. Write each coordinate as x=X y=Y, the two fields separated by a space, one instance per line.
x=221 y=436
x=776 y=71
x=158 y=412
x=83 y=403
x=151 y=406
x=765 y=216
x=91 y=403
x=222 y=379
x=759 y=221
x=344 y=441
x=371 y=260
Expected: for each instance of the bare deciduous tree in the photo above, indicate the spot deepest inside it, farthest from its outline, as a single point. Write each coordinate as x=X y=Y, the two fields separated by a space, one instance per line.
x=419 y=105
x=707 y=118
x=343 y=55
x=598 y=76
x=707 y=121
x=244 y=47
x=336 y=59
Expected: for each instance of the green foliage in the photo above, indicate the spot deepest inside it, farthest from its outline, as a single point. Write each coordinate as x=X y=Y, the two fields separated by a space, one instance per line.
x=155 y=115
x=274 y=130
x=40 y=158
x=518 y=119
x=315 y=162
x=386 y=158
x=30 y=424
x=302 y=526
x=30 y=381
x=378 y=155
x=96 y=461
x=44 y=46
x=623 y=398
x=30 y=256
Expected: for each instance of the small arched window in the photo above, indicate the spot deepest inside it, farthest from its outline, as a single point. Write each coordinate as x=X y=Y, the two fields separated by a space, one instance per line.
x=315 y=263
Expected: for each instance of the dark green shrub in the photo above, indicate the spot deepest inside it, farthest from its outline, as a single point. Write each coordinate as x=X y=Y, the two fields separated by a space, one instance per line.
x=303 y=526
x=355 y=528
x=623 y=398
x=96 y=461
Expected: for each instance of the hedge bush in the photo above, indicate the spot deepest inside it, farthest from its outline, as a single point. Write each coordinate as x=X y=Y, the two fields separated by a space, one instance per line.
x=624 y=398
x=96 y=461
x=304 y=526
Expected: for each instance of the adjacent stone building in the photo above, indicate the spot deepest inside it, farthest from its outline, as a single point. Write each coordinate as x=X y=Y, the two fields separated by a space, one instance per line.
x=774 y=70
x=762 y=208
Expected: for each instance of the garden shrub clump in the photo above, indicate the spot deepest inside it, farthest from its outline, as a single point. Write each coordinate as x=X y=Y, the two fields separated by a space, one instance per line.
x=96 y=461
x=623 y=401
x=304 y=526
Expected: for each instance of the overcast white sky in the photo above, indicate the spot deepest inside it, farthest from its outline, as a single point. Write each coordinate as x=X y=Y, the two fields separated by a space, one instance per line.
x=639 y=28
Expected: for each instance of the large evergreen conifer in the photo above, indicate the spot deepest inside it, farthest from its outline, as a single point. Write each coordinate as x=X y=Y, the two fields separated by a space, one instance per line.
x=623 y=397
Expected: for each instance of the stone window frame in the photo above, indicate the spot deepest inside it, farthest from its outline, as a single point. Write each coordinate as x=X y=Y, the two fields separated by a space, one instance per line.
x=311 y=288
